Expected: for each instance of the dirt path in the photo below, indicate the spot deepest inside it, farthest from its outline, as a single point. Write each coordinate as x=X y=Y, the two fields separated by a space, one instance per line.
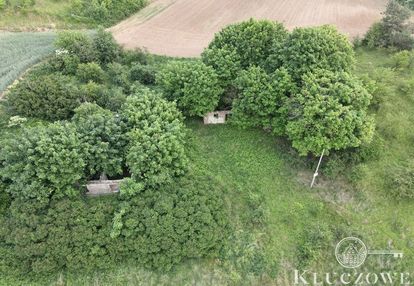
x=185 y=27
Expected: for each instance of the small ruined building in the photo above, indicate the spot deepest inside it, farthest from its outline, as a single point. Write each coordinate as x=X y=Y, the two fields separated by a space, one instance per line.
x=102 y=187
x=217 y=117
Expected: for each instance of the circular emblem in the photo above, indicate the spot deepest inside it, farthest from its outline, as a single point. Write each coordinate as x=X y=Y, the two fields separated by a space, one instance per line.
x=351 y=252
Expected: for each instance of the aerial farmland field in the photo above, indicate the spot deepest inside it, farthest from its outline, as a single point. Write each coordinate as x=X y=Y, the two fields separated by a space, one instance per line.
x=185 y=27
x=207 y=142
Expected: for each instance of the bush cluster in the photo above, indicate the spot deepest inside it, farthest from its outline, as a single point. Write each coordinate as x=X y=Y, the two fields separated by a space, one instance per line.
x=394 y=30
x=105 y=12
x=296 y=84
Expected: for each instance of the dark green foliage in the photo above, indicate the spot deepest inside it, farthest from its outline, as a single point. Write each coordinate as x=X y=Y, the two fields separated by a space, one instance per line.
x=156 y=134
x=90 y=72
x=193 y=85
x=262 y=99
x=78 y=44
x=307 y=49
x=64 y=63
x=407 y=3
x=137 y=55
x=145 y=74
x=401 y=180
x=394 y=30
x=67 y=234
x=101 y=132
x=104 y=11
x=253 y=42
x=42 y=161
x=107 y=49
x=118 y=74
x=184 y=220
x=49 y=97
x=330 y=112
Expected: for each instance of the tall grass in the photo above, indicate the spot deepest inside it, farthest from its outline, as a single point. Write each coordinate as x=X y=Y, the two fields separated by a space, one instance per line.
x=19 y=51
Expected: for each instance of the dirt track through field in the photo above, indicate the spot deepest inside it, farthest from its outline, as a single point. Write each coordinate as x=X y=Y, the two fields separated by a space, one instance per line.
x=185 y=27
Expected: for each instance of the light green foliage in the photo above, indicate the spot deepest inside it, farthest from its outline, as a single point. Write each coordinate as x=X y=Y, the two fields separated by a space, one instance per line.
x=100 y=131
x=307 y=49
x=262 y=98
x=20 y=51
x=156 y=138
x=403 y=60
x=252 y=42
x=106 y=11
x=49 y=97
x=42 y=161
x=77 y=43
x=90 y=72
x=330 y=112
x=401 y=180
x=193 y=85
x=107 y=49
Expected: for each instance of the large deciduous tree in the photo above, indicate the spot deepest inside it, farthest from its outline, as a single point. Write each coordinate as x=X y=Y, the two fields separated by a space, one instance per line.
x=193 y=85
x=101 y=133
x=262 y=99
x=330 y=112
x=307 y=49
x=241 y=45
x=155 y=154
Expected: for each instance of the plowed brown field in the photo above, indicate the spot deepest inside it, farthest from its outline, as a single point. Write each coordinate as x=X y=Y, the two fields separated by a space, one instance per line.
x=185 y=27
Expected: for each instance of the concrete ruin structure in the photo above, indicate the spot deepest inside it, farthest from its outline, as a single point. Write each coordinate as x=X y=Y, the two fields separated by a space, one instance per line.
x=217 y=117
x=102 y=187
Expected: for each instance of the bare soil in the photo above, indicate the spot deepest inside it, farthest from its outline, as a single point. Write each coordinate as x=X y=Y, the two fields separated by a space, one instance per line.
x=185 y=27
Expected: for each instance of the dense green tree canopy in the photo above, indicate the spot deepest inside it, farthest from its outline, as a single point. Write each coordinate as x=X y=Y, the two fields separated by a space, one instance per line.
x=330 y=112
x=42 y=161
x=107 y=49
x=100 y=131
x=156 y=137
x=262 y=98
x=78 y=44
x=307 y=49
x=238 y=46
x=193 y=85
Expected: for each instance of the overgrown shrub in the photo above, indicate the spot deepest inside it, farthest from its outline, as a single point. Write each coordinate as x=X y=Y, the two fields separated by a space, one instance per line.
x=100 y=131
x=145 y=74
x=118 y=74
x=156 y=153
x=64 y=63
x=42 y=161
x=401 y=180
x=394 y=30
x=193 y=85
x=403 y=60
x=90 y=72
x=308 y=49
x=262 y=99
x=49 y=97
x=107 y=49
x=77 y=43
x=186 y=219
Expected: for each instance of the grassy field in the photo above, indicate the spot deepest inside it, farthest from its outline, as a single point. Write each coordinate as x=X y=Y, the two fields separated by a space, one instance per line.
x=45 y=14
x=279 y=223
x=19 y=51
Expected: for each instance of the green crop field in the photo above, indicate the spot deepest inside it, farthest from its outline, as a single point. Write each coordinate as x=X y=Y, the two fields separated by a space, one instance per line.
x=19 y=51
